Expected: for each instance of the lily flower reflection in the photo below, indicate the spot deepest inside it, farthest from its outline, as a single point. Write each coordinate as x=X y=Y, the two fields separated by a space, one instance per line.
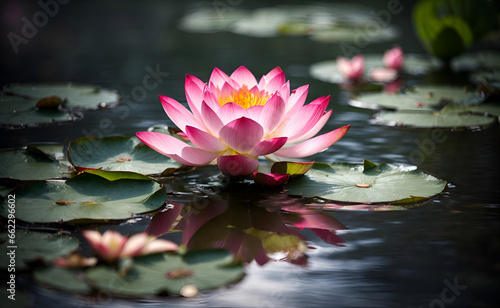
x=250 y=231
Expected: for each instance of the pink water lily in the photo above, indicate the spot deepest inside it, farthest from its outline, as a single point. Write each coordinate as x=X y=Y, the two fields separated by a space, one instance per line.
x=111 y=245
x=393 y=58
x=351 y=69
x=235 y=119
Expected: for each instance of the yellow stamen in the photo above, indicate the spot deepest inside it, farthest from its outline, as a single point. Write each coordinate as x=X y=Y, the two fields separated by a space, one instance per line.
x=245 y=98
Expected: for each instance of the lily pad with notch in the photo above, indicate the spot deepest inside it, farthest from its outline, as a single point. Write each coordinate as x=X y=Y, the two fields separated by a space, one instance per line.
x=160 y=273
x=35 y=246
x=87 y=197
x=74 y=95
x=366 y=183
x=31 y=164
x=117 y=153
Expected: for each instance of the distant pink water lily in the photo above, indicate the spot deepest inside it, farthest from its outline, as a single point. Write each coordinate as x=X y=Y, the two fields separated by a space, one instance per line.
x=393 y=58
x=111 y=245
x=236 y=119
x=351 y=69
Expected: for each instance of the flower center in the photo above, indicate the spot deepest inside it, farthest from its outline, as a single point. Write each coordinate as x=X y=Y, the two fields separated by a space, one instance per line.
x=245 y=98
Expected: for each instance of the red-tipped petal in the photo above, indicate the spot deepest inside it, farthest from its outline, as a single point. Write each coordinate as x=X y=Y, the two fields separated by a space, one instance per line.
x=243 y=77
x=242 y=135
x=204 y=140
x=268 y=146
x=237 y=165
x=270 y=179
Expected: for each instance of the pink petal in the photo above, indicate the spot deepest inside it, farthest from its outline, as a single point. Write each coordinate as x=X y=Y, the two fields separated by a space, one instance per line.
x=272 y=114
x=314 y=130
x=275 y=83
x=328 y=236
x=383 y=74
x=314 y=145
x=266 y=78
x=230 y=112
x=211 y=99
x=159 y=245
x=352 y=69
x=218 y=77
x=179 y=114
x=161 y=222
x=285 y=91
x=176 y=149
x=393 y=58
x=211 y=119
x=194 y=93
x=204 y=140
x=237 y=165
x=244 y=77
x=242 y=134
x=270 y=179
x=268 y=146
x=297 y=99
x=135 y=244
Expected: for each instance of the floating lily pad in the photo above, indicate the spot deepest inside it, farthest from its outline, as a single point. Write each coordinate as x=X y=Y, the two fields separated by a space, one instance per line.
x=368 y=183
x=66 y=279
x=30 y=164
x=34 y=246
x=413 y=64
x=451 y=118
x=18 y=112
x=418 y=98
x=86 y=197
x=492 y=108
x=476 y=60
x=154 y=274
x=118 y=153
x=74 y=95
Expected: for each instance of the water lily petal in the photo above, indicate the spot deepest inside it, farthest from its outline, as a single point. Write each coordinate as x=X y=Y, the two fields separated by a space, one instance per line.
x=242 y=134
x=314 y=130
x=383 y=74
x=297 y=99
x=194 y=94
x=159 y=245
x=272 y=114
x=269 y=76
x=179 y=114
x=244 y=77
x=211 y=119
x=351 y=69
x=275 y=84
x=205 y=140
x=314 y=145
x=237 y=165
x=393 y=58
x=270 y=179
x=218 y=78
x=231 y=111
x=176 y=149
x=268 y=146
x=135 y=244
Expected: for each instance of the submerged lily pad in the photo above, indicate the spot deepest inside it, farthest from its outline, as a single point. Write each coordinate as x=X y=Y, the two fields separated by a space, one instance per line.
x=450 y=118
x=86 y=197
x=154 y=274
x=332 y=23
x=368 y=183
x=18 y=112
x=30 y=164
x=34 y=246
x=118 y=153
x=421 y=97
x=66 y=279
x=74 y=95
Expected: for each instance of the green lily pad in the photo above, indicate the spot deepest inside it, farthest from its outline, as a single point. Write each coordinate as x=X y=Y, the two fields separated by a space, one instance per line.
x=75 y=95
x=34 y=246
x=18 y=112
x=65 y=279
x=31 y=164
x=491 y=108
x=117 y=153
x=421 y=97
x=450 y=118
x=154 y=274
x=368 y=183
x=85 y=197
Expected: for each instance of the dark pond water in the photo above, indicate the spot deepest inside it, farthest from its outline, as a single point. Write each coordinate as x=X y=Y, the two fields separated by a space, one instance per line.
x=443 y=253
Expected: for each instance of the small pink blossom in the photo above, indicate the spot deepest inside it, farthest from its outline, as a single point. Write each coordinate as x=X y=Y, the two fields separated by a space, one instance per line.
x=111 y=245
x=383 y=74
x=351 y=69
x=393 y=58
